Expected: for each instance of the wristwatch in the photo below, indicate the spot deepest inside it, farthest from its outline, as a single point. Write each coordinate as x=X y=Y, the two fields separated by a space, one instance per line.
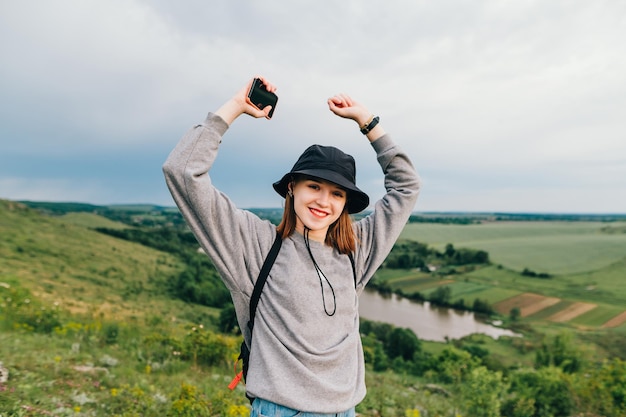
x=371 y=124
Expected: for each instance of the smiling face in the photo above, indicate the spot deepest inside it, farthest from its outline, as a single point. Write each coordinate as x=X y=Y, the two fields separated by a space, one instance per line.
x=317 y=204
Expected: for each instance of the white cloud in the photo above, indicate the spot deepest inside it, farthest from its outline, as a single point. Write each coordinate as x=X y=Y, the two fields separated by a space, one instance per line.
x=484 y=92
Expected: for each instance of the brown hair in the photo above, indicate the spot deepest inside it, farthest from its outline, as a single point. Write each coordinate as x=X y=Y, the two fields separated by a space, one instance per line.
x=340 y=234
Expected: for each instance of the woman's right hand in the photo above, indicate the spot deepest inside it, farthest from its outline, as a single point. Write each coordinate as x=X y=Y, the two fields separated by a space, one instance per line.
x=239 y=105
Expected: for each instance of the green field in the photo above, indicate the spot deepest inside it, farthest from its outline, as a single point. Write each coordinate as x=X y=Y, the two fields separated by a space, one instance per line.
x=552 y=247
x=598 y=316
x=586 y=262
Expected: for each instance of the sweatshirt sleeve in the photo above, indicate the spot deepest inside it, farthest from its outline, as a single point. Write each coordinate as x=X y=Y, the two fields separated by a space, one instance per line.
x=227 y=234
x=377 y=233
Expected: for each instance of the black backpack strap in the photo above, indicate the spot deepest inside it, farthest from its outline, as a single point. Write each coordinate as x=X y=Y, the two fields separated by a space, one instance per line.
x=244 y=354
x=260 y=281
x=351 y=256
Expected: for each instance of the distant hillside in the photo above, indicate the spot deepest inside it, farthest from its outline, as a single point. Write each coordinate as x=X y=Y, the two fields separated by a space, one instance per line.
x=145 y=212
x=69 y=207
x=135 y=214
x=62 y=260
x=91 y=221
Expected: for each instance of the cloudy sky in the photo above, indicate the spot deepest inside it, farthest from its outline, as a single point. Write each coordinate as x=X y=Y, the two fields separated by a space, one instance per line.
x=515 y=106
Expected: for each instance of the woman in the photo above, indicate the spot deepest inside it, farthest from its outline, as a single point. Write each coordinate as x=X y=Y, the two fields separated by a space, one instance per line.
x=306 y=357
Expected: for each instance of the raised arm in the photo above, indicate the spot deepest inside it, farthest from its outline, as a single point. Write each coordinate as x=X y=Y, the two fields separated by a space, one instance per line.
x=344 y=106
x=378 y=231
x=225 y=232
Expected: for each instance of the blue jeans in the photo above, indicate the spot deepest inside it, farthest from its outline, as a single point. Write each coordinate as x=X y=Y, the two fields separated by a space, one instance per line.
x=264 y=408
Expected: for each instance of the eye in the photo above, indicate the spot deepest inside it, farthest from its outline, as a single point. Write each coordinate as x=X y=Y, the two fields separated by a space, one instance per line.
x=314 y=186
x=339 y=194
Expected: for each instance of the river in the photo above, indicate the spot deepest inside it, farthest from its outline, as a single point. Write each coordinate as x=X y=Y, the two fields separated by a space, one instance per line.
x=428 y=322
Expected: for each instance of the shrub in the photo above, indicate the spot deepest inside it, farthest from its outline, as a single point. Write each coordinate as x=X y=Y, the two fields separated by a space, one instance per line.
x=207 y=348
x=159 y=347
x=110 y=331
x=549 y=388
x=190 y=403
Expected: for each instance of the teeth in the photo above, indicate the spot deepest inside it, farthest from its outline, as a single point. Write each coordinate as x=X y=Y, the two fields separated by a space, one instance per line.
x=318 y=212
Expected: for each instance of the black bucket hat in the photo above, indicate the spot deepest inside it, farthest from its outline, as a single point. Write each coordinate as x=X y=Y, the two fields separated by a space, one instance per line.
x=330 y=164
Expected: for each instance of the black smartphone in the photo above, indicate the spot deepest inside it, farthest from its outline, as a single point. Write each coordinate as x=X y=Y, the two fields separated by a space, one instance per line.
x=259 y=97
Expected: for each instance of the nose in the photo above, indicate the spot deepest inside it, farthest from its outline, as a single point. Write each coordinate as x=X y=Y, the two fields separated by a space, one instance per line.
x=323 y=198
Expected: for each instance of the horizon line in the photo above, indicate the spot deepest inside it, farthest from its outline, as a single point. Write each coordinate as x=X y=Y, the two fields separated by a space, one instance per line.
x=416 y=212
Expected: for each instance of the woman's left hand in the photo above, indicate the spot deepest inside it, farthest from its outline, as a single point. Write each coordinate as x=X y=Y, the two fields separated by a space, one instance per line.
x=344 y=106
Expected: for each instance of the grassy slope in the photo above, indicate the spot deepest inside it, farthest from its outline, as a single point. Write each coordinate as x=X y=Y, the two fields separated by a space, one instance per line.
x=61 y=260
x=104 y=283
x=91 y=221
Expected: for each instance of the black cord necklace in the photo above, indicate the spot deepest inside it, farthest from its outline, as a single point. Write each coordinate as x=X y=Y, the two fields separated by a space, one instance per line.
x=320 y=275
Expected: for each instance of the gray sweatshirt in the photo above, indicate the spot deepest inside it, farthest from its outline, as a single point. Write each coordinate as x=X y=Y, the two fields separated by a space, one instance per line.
x=300 y=357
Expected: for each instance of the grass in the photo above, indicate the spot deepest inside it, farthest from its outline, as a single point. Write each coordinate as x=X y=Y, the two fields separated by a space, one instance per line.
x=117 y=287
x=416 y=282
x=91 y=221
x=494 y=294
x=78 y=268
x=466 y=290
x=598 y=316
x=385 y=275
x=73 y=375
x=602 y=286
x=552 y=247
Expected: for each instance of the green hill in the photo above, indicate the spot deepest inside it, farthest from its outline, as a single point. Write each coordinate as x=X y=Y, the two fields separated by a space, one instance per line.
x=62 y=260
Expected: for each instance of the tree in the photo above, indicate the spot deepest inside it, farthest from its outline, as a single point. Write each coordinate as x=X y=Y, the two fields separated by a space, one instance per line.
x=227 y=322
x=453 y=364
x=441 y=295
x=404 y=261
x=402 y=343
x=481 y=306
x=515 y=314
